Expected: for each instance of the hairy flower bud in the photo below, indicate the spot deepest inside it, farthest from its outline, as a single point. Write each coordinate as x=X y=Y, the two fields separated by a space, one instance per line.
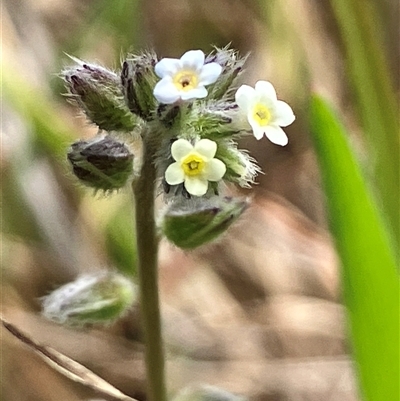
x=98 y=92
x=189 y=223
x=138 y=81
x=206 y=393
x=232 y=66
x=240 y=167
x=211 y=120
x=93 y=298
x=102 y=163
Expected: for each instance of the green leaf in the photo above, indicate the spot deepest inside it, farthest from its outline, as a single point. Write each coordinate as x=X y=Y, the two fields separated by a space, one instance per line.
x=369 y=274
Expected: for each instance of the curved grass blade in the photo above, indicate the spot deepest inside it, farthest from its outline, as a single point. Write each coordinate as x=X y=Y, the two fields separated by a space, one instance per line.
x=361 y=32
x=369 y=275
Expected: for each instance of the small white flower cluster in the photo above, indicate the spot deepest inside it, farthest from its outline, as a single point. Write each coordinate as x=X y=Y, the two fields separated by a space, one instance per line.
x=188 y=115
x=186 y=79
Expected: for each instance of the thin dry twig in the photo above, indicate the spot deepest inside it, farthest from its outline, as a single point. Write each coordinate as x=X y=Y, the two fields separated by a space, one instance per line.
x=67 y=366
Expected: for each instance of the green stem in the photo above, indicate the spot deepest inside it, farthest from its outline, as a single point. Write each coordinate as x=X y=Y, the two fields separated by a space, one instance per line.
x=147 y=248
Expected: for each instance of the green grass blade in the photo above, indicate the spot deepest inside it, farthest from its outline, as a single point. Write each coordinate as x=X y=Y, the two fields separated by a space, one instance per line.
x=375 y=100
x=369 y=274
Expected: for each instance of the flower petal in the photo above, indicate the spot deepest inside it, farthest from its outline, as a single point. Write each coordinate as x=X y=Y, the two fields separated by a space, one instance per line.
x=180 y=149
x=174 y=174
x=276 y=135
x=266 y=92
x=167 y=67
x=245 y=96
x=258 y=131
x=196 y=93
x=283 y=114
x=165 y=91
x=206 y=148
x=193 y=59
x=209 y=73
x=196 y=186
x=214 y=170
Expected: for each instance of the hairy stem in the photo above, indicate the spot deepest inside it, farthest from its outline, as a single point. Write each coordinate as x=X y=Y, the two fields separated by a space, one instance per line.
x=147 y=248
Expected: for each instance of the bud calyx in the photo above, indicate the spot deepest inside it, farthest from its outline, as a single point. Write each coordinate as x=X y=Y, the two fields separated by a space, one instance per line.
x=102 y=163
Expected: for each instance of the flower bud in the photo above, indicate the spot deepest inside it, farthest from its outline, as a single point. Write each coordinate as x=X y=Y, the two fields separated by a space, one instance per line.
x=240 y=167
x=138 y=81
x=101 y=163
x=206 y=393
x=211 y=120
x=99 y=93
x=93 y=298
x=189 y=223
x=232 y=66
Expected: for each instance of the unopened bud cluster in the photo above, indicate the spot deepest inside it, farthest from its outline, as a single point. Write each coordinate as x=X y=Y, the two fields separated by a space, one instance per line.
x=192 y=113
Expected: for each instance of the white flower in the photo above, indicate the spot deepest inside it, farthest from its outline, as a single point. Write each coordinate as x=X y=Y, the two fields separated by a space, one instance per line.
x=265 y=113
x=194 y=165
x=184 y=78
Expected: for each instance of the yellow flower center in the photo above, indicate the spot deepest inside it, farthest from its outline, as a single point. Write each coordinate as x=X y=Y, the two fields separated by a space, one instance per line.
x=186 y=80
x=261 y=114
x=193 y=165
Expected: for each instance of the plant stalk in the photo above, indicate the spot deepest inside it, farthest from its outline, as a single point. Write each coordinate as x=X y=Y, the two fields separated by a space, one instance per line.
x=147 y=249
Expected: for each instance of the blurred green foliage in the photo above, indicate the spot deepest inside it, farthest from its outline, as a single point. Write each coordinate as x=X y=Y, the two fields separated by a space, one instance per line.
x=118 y=21
x=120 y=239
